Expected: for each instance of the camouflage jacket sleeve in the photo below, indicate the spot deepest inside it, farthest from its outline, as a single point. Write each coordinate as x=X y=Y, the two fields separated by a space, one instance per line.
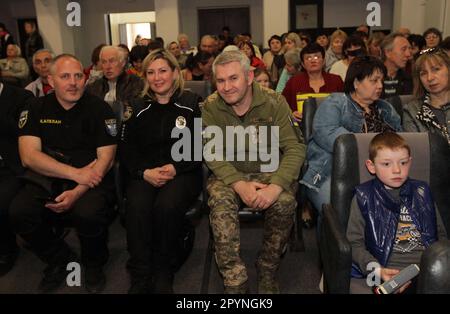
x=222 y=169
x=292 y=147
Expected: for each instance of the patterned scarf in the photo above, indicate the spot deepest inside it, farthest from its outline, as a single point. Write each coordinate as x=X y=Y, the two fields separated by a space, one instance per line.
x=428 y=118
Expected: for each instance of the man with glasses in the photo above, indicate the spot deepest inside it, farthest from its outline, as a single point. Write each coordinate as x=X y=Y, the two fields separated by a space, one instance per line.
x=116 y=86
x=395 y=53
x=41 y=63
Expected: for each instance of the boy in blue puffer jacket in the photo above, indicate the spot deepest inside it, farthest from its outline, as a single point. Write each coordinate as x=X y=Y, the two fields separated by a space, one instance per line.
x=393 y=218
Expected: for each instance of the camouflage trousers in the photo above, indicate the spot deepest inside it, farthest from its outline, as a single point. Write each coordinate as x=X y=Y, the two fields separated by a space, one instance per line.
x=224 y=203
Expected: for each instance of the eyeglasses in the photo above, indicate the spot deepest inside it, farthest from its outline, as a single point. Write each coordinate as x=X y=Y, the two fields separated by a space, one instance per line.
x=311 y=58
x=431 y=50
x=432 y=36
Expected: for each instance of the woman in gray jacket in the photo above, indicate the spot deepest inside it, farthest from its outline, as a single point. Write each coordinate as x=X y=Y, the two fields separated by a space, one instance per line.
x=430 y=111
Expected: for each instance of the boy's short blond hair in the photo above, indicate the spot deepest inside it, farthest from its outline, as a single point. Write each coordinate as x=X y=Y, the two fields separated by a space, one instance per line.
x=389 y=140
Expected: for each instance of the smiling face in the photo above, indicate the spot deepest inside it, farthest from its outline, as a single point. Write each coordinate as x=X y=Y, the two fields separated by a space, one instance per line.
x=391 y=166
x=161 y=77
x=233 y=84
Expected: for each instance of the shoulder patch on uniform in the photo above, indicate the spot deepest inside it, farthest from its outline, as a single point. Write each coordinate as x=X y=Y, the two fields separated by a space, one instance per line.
x=211 y=98
x=23 y=119
x=111 y=126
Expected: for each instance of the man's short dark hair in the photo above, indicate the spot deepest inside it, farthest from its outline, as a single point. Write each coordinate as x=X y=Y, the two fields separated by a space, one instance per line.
x=312 y=48
x=360 y=68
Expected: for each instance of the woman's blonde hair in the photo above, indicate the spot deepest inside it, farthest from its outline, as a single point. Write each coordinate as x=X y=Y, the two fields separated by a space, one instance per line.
x=436 y=56
x=338 y=33
x=294 y=38
x=163 y=54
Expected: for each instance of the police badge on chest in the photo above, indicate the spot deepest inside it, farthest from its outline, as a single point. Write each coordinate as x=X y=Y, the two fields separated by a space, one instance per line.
x=180 y=122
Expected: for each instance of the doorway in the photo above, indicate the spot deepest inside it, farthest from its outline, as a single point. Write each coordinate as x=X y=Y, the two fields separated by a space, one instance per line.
x=211 y=21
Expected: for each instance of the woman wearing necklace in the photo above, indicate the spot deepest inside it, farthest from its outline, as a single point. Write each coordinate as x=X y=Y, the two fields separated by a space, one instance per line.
x=430 y=111
x=160 y=188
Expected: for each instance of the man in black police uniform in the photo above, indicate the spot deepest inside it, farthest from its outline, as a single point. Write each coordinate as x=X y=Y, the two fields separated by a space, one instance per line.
x=12 y=100
x=66 y=138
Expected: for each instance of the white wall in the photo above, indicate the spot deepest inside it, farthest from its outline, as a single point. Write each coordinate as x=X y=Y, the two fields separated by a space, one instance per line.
x=418 y=15
x=189 y=17
x=167 y=19
x=410 y=14
x=279 y=25
x=435 y=12
x=347 y=13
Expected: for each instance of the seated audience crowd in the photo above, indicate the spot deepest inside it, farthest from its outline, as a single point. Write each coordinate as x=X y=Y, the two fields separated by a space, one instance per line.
x=63 y=128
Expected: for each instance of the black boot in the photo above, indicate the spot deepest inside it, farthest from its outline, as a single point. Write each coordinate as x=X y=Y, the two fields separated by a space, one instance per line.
x=163 y=281
x=53 y=251
x=162 y=273
x=140 y=284
x=94 y=255
x=55 y=273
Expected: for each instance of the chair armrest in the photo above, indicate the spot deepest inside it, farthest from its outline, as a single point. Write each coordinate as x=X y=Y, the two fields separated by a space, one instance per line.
x=336 y=253
x=434 y=275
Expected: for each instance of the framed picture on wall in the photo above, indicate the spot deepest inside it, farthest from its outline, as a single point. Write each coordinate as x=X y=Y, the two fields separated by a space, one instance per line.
x=306 y=16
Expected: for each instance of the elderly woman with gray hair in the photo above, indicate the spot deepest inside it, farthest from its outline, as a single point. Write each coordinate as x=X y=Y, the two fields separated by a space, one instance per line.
x=293 y=66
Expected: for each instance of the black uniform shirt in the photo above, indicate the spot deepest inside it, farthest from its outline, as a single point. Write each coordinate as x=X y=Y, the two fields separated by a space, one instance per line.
x=76 y=133
x=146 y=140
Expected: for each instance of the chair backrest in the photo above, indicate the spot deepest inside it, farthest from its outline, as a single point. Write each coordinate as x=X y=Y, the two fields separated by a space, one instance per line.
x=201 y=88
x=310 y=106
x=406 y=99
x=400 y=102
x=431 y=161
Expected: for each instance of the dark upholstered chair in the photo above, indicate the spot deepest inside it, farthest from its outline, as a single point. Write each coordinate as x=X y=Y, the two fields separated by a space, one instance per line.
x=399 y=102
x=201 y=88
x=431 y=163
